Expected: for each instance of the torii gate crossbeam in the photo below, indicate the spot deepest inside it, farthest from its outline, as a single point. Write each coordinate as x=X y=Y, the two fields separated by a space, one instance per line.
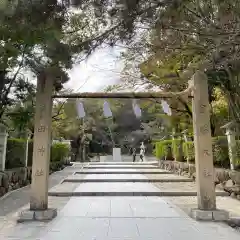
x=125 y=95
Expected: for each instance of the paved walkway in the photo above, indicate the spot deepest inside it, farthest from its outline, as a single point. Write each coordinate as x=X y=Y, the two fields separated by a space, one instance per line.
x=116 y=218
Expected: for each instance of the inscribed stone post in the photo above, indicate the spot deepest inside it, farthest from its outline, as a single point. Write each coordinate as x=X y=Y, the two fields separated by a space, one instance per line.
x=42 y=144
x=203 y=143
x=3 y=146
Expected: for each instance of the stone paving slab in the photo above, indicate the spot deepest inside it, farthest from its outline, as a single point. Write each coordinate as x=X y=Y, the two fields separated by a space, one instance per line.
x=149 y=218
x=127 y=207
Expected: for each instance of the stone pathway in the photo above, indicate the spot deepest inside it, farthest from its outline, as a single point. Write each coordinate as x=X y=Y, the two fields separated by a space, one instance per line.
x=115 y=218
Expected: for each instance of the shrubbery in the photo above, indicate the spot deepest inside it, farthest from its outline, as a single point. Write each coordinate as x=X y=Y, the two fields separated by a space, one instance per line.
x=171 y=149
x=59 y=152
x=163 y=149
x=15 y=154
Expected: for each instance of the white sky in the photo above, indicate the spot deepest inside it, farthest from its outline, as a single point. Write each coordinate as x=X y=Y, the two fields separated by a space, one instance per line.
x=100 y=70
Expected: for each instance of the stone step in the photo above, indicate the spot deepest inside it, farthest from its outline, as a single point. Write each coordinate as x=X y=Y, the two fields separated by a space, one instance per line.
x=127 y=176
x=129 y=194
x=121 y=163
x=123 y=172
x=127 y=180
x=121 y=167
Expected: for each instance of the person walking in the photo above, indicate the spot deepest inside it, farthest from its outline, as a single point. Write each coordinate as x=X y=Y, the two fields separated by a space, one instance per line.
x=141 y=154
x=134 y=154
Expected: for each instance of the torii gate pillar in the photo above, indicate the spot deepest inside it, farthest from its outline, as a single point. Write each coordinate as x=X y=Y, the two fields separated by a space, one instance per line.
x=39 y=210
x=206 y=196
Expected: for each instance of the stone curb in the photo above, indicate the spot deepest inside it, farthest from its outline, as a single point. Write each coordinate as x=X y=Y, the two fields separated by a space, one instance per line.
x=122 y=172
x=125 y=180
x=126 y=194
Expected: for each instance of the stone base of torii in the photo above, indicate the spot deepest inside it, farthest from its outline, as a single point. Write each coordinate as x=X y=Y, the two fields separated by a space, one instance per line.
x=197 y=90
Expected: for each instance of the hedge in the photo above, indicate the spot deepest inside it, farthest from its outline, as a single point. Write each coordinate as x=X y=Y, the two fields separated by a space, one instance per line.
x=177 y=148
x=15 y=153
x=59 y=152
x=163 y=149
x=219 y=146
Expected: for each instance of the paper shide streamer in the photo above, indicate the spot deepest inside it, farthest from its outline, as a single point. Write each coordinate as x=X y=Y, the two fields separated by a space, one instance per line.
x=136 y=109
x=80 y=109
x=107 y=110
x=166 y=108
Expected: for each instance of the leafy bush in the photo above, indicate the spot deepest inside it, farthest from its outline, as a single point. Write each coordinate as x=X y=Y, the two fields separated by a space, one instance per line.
x=188 y=151
x=56 y=166
x=220 y=151
x=15 y=153
x=219 y=146
x=237 y=152
x=177 y=149
x=163 y=149
x=59 y=152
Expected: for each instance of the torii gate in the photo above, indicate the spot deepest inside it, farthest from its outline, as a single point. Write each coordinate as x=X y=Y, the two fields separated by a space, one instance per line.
x=197 y=90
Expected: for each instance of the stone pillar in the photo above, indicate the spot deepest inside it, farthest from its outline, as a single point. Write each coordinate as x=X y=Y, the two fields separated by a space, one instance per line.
x=41 y=153
x=3 y=146
x=42 y=145
x=206 y=196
